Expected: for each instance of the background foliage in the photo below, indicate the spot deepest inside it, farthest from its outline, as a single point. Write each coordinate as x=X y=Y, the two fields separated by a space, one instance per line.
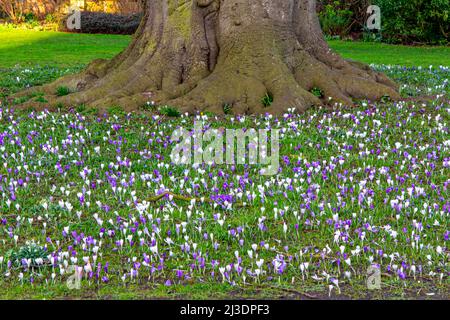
x=411 y=21
x=107 y=23
x=403 y=21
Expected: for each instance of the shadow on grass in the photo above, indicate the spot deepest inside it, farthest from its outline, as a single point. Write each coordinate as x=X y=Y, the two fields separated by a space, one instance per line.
x=29 y=48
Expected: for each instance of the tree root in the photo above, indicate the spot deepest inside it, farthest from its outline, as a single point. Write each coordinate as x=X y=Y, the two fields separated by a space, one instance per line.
x=218 y=71
x=241 y=93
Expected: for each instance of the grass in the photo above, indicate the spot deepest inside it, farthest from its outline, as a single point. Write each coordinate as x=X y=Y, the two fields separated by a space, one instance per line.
x=199 y=291
x=386 y=54
x=357 y=187
x=267 y=100
x=31 y=48
x=62 y=91
x=169 y=111
x=317 y=92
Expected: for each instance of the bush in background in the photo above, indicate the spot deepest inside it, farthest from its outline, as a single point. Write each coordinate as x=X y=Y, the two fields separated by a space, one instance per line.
x=335 y=19
x=13 y=9
x=17 y=10
x=343 y=18
x=108 y=23
x=415 y=21
x=403 y=21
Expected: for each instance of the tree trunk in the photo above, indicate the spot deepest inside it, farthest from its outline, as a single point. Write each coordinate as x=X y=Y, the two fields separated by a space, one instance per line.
x=202 y=55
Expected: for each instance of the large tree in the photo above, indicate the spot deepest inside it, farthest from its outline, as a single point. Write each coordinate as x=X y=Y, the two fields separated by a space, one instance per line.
x=202 y=55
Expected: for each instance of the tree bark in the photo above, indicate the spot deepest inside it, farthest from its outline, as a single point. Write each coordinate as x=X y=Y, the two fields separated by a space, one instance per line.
x=203 y=55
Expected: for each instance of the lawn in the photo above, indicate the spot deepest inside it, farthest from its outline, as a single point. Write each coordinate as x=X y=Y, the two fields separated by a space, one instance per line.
x=29 y=48
x=379 y=53
x=358 y=187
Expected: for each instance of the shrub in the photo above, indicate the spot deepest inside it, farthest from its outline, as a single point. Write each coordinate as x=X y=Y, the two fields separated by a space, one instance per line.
x=21 y=10
x=14 y=9
x=107 y=23
x=409 y=21
x=51 y=18
x=403 y=21
x=334 y=20
x=342 y=18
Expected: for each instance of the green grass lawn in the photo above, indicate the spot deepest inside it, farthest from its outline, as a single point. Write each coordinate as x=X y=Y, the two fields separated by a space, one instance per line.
x=380 y=53
x=26 y=47
x=29 y=48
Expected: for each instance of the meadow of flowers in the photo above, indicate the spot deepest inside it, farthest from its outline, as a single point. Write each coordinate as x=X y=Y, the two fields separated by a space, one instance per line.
x=357 y=187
